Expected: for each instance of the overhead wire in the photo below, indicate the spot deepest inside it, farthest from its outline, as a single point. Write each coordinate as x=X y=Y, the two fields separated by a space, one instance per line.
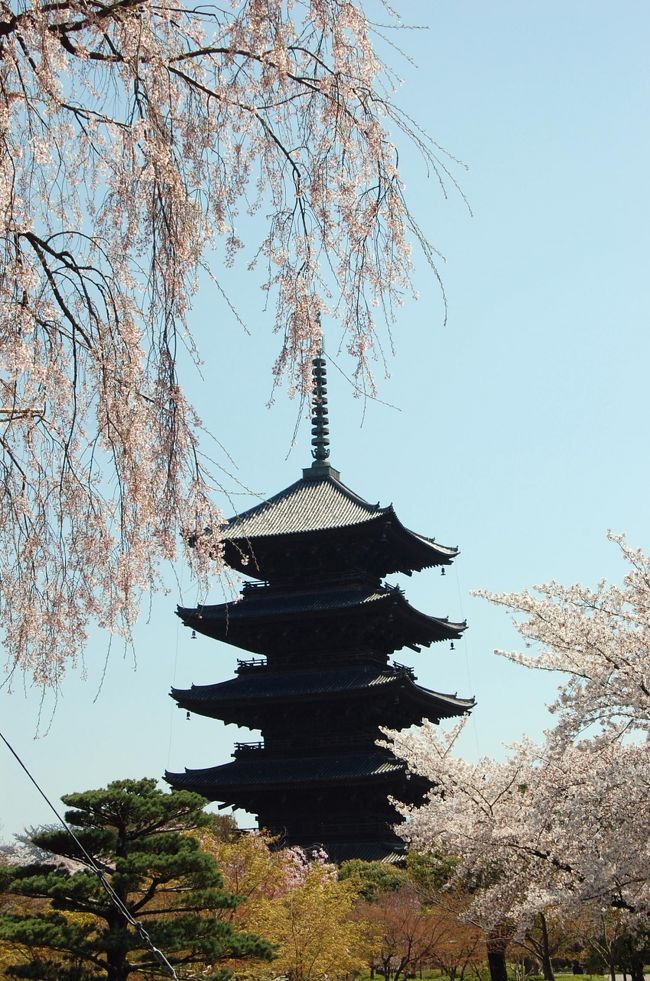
x=92 y=865
x=172 y=708
x=468 y=671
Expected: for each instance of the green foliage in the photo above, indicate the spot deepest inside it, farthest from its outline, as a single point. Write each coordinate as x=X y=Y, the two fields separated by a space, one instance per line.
x=44 y=970
x=372 y=878
x=222 y=827
x=430 y=871
x=6 y=875
x=139 y=838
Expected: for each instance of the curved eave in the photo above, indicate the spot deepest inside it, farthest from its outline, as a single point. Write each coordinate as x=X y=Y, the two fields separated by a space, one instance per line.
x=429 y=553
x=220 y=782
x=239 y=623
x=309 y=509
x=234 y=699
x=446 y=706
x=408 y=551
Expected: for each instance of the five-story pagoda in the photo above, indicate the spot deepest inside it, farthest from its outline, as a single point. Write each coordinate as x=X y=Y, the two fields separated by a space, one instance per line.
x=321 y=625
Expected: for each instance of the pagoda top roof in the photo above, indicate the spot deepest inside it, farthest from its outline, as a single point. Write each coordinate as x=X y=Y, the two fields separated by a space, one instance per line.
x=320 y=502
x=314 y=503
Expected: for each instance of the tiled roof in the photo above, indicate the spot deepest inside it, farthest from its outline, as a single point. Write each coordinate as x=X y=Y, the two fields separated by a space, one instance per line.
x=307 y=505
x=261 y=683
x=264 y=684
x=453 y=703
x=316 y=512
x=264 y=601
x=275 y=772
x=250 y=622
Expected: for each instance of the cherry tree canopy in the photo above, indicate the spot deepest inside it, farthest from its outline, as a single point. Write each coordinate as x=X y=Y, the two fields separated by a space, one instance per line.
x=543 y=830
x=599 y=639
x=563 y=823
x=132 y=134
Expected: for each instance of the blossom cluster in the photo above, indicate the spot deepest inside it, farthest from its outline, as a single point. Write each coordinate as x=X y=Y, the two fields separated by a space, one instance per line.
x=563 y=823
x=132 y=138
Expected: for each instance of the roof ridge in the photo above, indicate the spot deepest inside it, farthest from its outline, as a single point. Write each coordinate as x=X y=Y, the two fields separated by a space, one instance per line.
x=310 y=503
x=267 y=501
x=357 y=497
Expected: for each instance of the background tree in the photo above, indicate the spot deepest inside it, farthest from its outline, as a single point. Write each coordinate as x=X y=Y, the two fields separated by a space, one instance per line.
x=298 y=903
x=460 y=947
x=416 y=928
x=132 y=135
x=138 y=836
x=430 y=873
x=11 y=954
x=312 y=924
x=373 y=879
x=599 y=935
x=461 y=942
x=407 y=933
x=543 y=940
x=558 y=825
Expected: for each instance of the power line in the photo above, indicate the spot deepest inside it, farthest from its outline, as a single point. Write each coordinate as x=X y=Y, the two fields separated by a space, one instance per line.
x=92 y=865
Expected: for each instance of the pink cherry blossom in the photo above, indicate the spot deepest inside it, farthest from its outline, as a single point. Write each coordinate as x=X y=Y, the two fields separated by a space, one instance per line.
x=132 y=136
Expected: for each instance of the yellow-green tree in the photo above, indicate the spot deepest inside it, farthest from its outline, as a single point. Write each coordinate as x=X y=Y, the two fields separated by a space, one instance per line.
x=298 y=904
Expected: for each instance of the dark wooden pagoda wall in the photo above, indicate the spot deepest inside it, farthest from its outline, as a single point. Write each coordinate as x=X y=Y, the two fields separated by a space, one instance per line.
x=317 y=777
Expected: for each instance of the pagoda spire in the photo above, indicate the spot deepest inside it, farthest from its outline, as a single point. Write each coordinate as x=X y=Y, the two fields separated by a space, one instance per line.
x=320 y=443
x=319 y=414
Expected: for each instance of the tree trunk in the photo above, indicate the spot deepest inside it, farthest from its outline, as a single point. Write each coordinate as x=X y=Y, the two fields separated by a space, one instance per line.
x=117 y=966
x=496 y=945
x=636 y=968
x=547 y=967
x=117 y=970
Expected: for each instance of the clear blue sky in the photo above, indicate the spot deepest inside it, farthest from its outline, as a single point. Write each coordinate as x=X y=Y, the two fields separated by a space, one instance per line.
x=521 y=427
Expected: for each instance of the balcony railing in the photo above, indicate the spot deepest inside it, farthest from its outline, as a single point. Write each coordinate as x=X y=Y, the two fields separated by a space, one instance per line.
x=251 y=587
x=404 y=669
x=318 y=744
x=252 y=664
x=253 y=747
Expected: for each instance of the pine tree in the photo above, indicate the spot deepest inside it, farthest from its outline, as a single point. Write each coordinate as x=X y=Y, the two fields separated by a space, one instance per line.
x=138 y=837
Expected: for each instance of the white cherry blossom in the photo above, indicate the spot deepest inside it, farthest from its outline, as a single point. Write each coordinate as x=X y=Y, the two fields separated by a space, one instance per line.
x=133 y=135
x=566 y=822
